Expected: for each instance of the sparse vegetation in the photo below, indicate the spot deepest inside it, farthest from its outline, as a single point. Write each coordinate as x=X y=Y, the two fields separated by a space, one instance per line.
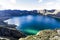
x=44 y=35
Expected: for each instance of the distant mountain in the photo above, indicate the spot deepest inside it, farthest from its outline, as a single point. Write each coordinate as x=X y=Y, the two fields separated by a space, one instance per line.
x=52 y=13
x=6 y=14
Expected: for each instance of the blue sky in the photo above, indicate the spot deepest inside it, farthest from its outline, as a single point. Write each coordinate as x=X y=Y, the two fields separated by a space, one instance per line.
x=29 y=4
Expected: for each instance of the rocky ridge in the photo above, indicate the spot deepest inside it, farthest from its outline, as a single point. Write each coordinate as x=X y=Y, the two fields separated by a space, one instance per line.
x=44 y=35
x=9 y=32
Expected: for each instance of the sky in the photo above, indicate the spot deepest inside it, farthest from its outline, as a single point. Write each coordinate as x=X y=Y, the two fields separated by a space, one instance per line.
x=29 y=4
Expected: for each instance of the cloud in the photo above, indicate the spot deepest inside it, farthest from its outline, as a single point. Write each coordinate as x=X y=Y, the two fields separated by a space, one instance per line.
x=8 y=4
x=57 y=0
x=52 y=5
x=13 y=1
x=0 y=5
x=13 y=4
x=40 y=1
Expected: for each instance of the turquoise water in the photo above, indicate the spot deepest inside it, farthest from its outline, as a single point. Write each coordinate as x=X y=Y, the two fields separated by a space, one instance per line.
x=30 y=25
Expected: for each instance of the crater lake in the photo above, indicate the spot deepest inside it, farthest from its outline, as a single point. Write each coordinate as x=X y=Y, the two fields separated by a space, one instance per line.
x=30 y=25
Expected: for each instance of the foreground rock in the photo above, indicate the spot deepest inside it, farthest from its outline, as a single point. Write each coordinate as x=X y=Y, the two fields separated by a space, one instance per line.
x=7 y=38
x=44 y=35
x=7 y=33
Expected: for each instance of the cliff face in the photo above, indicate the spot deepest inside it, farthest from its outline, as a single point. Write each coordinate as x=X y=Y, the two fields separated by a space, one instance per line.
x=51 y=13
x=10 y=33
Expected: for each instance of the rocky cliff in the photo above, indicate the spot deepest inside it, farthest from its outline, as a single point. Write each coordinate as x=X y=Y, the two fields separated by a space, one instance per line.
x=10 y=33
x=44 y=35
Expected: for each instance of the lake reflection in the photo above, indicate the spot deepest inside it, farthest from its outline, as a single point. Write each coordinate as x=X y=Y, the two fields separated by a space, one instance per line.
x=32 y=24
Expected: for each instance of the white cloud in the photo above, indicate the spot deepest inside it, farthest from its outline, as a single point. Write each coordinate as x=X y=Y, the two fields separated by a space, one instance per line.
x=57 y=0
x=12 y=4
x=8 y=4
x=13 y=1
x=50 y=3
x=40 y=1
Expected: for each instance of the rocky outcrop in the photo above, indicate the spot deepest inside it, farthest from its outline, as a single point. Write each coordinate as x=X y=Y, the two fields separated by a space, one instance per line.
x=7 y=38
x=10 y=33
x=44 y=35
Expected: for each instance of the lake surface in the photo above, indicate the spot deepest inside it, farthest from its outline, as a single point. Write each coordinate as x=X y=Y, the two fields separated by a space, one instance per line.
x=30 y=25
